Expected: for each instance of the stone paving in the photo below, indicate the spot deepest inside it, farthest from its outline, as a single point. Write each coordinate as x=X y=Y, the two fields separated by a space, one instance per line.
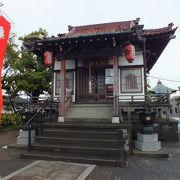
x=14 y=168
x=45 y=170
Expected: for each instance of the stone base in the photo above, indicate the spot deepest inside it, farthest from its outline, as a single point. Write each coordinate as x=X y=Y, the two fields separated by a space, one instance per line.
x=60 y=119
x=22 y=139
x=147 y=137
x=148 y=142
x=115 y=119
x=154 y=146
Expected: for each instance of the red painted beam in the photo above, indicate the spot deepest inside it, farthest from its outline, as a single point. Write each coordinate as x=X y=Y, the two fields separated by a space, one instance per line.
x=62 y=108
x=115 y=87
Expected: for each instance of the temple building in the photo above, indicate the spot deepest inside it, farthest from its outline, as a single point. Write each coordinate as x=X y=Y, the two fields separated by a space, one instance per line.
x=99 y=76
x=161 y=89
x=103 y=63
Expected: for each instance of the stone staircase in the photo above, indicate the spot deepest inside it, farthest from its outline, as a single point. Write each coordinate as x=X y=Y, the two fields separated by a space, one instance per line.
x=92 y=111
x=87 y=142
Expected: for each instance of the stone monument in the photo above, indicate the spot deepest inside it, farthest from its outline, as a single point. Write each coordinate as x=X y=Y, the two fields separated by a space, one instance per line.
x=147 y=139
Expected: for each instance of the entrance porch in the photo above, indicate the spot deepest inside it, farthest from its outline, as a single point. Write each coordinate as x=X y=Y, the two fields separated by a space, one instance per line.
x=91 y=81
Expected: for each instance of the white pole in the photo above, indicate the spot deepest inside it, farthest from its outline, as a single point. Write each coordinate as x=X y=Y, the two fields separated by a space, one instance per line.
x=1 y=4
x=1 y=12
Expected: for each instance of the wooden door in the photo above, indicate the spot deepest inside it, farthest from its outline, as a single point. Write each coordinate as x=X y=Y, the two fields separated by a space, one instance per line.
x=95 y=93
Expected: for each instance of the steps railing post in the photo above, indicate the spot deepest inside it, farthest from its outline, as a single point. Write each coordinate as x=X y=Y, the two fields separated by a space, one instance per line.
x=41 y=122
x=29 y=138
x=51 y=109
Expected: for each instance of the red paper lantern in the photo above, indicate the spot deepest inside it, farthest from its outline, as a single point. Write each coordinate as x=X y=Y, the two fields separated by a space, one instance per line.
x=130 y=53
x=48 y=58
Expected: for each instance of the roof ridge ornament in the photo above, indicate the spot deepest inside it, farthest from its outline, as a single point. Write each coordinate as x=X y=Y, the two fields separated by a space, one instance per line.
x=70 y=27
x=170 y=25
x=137 y=21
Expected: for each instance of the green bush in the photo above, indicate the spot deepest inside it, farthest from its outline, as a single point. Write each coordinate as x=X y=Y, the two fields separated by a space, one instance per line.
x=12 y=121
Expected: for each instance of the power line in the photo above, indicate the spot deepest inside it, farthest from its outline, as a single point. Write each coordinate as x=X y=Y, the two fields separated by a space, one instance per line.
x=154 y=77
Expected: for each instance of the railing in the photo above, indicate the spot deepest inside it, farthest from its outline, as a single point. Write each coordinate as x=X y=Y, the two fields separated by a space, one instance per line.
x=152 y=100
x=33 y=123
x=44 y=110
x=142 y=101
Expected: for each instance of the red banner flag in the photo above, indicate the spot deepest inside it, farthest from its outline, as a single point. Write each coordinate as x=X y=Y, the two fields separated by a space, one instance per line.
x=4 y=35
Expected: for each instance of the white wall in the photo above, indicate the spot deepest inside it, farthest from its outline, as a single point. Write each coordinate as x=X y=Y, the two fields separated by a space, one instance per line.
x=137 y=61
x=122 y=62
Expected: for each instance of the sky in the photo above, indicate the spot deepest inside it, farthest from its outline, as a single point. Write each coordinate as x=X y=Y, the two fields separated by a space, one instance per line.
x=56 y=15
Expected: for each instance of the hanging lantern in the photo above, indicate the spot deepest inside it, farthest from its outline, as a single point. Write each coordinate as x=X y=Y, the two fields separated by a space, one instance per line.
x=130 y=53
x=48 y=58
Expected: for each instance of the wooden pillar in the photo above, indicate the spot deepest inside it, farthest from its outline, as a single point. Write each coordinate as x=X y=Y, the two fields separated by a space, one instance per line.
x=145 y=69
x=62 y=107
x=115 y=90
x=76 y=81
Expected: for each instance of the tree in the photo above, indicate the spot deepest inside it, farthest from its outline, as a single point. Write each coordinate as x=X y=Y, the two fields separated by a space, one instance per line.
x=178 y=100
x=11 y=56
x=34 y=78
x=28 y=72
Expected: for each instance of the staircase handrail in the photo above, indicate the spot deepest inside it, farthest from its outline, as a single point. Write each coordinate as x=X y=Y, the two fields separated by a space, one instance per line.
x=36 y=114
x=31 y=121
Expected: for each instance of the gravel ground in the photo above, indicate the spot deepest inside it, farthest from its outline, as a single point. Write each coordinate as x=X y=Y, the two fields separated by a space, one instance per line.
x=7 y=136
x=9 y=158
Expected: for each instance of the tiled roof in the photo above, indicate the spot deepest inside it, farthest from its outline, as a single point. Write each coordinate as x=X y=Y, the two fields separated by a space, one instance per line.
x=168 y=29
x=114 y=27
x=101 y=28
x=162 y=89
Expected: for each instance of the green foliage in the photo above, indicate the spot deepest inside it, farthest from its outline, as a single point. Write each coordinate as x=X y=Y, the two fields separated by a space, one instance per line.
x=149 y=93
x=25 y=71
x=178 y=100
x=40 y=34
x=33 y=76
x=11 y=56
x=12 y=121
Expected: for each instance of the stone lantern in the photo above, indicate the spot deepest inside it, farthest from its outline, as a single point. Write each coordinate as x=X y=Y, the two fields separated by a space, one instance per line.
x=147 y=139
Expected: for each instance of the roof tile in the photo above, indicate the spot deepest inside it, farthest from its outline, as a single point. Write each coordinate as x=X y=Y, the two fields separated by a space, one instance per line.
x=101 y=28
x=114 y=27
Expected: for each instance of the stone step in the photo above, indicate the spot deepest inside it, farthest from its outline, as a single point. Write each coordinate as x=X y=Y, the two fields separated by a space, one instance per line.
x=77 y=141
x=98 y=160
x=87 y=111
x=78 y=124
x=101 y=143
x=78 y=150
x=91 y=119
x=92 y=105
x=68 y=133
x=99 y=120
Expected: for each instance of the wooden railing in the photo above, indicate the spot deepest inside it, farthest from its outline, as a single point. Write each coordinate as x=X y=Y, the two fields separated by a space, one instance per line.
x=142 y=100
